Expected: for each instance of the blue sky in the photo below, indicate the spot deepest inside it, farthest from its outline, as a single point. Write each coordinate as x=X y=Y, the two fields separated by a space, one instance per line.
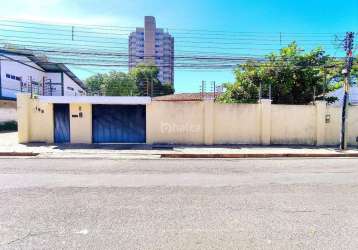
x=271 y=17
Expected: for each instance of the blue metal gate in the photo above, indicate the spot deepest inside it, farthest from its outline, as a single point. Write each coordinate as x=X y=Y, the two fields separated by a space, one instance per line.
x=118 y=124
x=62 y=123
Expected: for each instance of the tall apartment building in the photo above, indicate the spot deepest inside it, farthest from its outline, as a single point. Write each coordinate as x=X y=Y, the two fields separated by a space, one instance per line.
x=152 y=45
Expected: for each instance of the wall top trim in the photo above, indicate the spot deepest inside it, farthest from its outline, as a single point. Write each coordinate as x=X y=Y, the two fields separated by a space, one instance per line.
x=124 y=100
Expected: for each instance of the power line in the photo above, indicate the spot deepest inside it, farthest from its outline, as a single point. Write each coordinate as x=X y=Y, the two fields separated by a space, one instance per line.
x=250 y=35
x=111 y=55
x=115 y=47
x=66 y=44
x=115 y=41
x=245 y=38
x=191 y=39
x=108 y=55
x=190 y=65
x=61 y=39
x=89 y=26
x=111 y=27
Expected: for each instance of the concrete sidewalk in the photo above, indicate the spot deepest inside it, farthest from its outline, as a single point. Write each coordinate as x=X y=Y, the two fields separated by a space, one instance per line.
x=10 y=147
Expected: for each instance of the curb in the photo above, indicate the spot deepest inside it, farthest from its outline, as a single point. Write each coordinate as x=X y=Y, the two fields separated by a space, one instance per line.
x=268 y=155
x=18 y=154
x=198 y=156
x=97 y=157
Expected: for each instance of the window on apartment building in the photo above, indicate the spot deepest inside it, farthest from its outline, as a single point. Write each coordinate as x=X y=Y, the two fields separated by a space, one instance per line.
x=70 y=88
x=12 y=77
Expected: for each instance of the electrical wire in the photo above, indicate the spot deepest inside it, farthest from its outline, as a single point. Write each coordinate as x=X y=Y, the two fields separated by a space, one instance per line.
x=99 y=46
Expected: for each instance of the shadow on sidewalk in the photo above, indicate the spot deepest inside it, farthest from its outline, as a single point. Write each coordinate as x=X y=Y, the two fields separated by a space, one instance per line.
x=105 y=146
x=142 y=146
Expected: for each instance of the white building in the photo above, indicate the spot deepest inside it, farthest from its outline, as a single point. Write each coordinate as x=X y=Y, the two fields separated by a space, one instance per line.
x=22 y=71
x=339 y=93
x=151 y=44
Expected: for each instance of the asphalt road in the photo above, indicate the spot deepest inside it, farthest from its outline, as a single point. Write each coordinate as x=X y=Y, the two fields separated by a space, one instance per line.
x=179 y=204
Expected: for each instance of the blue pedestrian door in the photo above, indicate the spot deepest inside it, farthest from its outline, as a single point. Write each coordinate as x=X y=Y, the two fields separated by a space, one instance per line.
x=62 y=123
x=118 y=124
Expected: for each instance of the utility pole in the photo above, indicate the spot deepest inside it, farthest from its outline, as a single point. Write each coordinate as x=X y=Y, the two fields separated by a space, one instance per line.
x=348 y=47
x=31 y=86
x=260 y=92
x=270 y=92
x=202 y=89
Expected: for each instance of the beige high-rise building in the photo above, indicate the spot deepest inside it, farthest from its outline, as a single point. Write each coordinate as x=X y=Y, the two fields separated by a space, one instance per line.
x=152 y=45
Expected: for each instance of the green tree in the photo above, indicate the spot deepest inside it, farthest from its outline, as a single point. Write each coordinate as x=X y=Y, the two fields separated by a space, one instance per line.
x=142 y=80
x=146 y=77
x=112 y=84
x=295 y=77
x=95 y=84
x=120 y=84
x=167 y=89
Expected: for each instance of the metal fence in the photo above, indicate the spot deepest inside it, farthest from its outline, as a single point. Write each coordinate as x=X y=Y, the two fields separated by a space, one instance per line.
x=39 y=88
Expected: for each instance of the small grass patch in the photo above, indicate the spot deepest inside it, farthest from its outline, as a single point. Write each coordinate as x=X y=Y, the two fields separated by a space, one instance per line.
x=8 y=126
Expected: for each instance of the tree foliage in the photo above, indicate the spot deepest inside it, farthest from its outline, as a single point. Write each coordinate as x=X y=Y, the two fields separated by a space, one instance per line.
x=167 y=89
x=142 y=80
x=295 y=77
x=120 y=84
x=95 y=83
x=113 y=83
x=146 y=77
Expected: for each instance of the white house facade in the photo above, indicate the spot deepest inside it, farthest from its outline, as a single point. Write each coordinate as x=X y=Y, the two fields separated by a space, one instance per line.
x=26 y=72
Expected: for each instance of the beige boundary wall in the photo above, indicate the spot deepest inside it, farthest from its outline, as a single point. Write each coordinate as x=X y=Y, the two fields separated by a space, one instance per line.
x=206 y=122
x=36 y=121
x=214 y=123
x=7 y=111
x=81 y=128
